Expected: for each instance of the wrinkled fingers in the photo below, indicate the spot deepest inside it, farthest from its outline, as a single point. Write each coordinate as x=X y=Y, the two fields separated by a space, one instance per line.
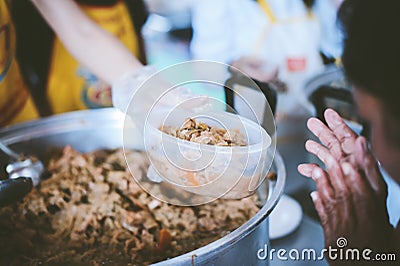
x=326 y=136
x=306 y=168
x=367 y=163
x=342 y=132
x=332 y=165
x=323 y=183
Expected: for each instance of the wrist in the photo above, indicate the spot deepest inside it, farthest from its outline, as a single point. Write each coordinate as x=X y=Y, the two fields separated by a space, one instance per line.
x=126 y=86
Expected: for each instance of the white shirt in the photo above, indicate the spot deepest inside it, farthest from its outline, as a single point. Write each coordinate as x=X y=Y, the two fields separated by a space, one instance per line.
x=225 y=30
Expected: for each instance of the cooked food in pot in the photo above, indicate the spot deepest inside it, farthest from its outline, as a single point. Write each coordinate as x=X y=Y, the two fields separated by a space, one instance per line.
x=90 y=211
x=199 y=132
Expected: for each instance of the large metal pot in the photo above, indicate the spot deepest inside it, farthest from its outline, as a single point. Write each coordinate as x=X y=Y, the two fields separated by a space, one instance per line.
x=102 y=128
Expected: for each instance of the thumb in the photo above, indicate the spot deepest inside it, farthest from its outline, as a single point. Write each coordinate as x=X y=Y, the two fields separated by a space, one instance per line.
x=367 y=162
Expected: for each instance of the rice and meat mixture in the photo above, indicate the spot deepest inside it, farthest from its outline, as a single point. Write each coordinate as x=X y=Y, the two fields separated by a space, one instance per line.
x=200 y=132
x=92 y=212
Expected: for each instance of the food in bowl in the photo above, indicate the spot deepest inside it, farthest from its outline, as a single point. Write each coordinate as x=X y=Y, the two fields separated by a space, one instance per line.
x=91 y=211
x=233 y=166
x=202 y=133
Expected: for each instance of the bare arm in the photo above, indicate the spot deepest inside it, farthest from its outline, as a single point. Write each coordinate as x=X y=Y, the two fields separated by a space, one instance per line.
x=91 y=45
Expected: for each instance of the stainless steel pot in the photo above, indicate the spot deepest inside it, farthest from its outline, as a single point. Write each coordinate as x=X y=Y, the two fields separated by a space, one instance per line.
x=102 y=128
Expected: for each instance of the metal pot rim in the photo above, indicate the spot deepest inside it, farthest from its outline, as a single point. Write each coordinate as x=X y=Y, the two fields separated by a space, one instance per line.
x=245 y=229
x=75 y=121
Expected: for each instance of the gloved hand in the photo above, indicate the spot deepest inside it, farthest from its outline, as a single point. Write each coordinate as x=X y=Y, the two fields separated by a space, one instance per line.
x=124 y=88
x=147 y=92
x=160 y=91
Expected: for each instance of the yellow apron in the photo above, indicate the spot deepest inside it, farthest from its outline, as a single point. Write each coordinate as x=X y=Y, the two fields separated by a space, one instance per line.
x=297 y=62
x=267 y=10
x=71 y=86
x=16 y=105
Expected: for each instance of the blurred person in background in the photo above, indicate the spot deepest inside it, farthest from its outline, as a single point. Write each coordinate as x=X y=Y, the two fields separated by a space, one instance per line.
x=267 y=38
x=273 y=41
x=351 y=193
x=15 y=102
x=95 y=43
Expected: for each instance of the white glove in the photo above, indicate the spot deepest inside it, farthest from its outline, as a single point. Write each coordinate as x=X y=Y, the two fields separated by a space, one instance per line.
x=125 y=87
x=161 y=94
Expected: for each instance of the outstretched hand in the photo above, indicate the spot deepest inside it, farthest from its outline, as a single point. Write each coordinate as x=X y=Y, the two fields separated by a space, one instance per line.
x=351 y=193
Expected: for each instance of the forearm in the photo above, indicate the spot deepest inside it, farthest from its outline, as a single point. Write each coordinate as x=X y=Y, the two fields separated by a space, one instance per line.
x=91 y=45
